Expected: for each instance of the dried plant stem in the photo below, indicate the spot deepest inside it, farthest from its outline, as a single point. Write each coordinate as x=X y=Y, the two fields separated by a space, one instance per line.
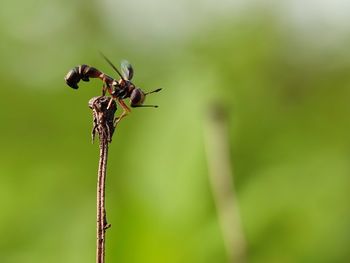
x=103 y=118
x=101 y=210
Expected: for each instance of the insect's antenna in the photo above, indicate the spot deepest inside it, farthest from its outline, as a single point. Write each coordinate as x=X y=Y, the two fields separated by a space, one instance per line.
x=111 y=64
x=153 y=91
x=146 y=106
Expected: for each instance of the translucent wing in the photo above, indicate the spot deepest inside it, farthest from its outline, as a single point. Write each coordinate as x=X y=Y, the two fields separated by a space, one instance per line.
x=127 y=70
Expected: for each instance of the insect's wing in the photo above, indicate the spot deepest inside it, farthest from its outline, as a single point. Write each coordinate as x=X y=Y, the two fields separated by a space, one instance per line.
x=127 y=70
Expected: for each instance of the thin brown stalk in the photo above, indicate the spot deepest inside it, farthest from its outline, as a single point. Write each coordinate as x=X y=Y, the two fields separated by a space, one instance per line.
x=103 y=124
x=101 y=211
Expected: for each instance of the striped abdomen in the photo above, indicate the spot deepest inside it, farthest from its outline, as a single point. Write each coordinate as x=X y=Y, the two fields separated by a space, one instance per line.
x=84 y=72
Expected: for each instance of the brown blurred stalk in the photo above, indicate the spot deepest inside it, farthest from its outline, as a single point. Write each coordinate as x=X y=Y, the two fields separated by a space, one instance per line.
x=222 y=182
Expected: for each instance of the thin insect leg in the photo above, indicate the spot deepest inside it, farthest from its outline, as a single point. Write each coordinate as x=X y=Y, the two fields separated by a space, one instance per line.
x=126 y=111
x=118 y=119
x=110 y=103
x=104 y=89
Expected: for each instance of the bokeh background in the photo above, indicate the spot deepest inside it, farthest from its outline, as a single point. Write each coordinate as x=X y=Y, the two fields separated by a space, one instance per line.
x=280 y=70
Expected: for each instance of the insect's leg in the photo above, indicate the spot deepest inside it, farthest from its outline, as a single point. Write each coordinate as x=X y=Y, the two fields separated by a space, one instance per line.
x=126 y=110
x=107 y=87
x=110 y=103
x=104 y=89
x=118 y=119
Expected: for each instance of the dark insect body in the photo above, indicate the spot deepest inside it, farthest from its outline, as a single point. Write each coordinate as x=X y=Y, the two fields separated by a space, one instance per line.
x=118 y=89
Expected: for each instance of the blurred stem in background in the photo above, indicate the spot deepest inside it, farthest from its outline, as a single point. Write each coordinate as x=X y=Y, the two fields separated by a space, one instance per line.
x=222 y=183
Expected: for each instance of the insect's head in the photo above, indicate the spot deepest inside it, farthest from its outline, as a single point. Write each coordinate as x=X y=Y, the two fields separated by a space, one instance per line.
x=138 y=96
x=124 y=87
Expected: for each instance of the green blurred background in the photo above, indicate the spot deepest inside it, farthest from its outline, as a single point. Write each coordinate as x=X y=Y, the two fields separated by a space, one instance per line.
x=281 y=70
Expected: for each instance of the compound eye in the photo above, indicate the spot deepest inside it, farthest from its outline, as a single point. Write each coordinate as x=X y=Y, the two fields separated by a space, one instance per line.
x=137 y=97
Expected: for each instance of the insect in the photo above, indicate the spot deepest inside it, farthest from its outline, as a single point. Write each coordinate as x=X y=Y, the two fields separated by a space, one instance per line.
x=118 y=89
